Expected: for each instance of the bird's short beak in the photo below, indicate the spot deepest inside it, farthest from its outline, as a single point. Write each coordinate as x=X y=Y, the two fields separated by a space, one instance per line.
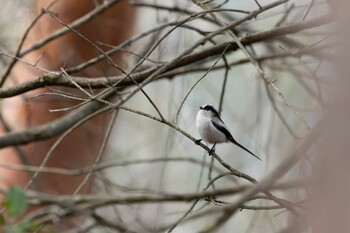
x=201 y=107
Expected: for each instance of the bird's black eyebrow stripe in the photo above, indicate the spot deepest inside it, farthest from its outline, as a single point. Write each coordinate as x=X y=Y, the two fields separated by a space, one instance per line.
x=212 y=109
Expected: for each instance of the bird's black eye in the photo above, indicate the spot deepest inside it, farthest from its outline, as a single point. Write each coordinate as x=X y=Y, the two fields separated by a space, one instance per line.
x=208 y=108
x=211 y=109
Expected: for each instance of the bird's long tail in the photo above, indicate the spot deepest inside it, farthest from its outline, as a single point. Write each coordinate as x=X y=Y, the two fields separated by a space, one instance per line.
x=239 y=145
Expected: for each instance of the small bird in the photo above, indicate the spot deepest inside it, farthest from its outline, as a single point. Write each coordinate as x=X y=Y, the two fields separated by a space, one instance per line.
x=213 y=130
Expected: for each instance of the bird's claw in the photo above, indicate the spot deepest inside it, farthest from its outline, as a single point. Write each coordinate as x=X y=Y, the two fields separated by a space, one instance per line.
x=197 y=141
x=211 y=151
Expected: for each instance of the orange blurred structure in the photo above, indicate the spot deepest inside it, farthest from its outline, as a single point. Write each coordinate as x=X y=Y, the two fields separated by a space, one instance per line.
x=80 y=148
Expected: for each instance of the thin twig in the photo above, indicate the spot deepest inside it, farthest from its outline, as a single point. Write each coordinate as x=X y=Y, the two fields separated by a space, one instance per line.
x=267 y=79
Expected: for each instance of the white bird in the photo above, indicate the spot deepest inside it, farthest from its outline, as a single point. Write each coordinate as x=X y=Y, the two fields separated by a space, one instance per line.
x=213 y=130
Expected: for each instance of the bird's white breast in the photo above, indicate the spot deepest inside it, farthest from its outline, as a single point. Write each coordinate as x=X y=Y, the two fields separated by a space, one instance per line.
x=207 y=130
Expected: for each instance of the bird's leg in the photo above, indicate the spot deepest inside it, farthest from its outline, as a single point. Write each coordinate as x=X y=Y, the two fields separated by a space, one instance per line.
x=197 y=141
x=212 y=150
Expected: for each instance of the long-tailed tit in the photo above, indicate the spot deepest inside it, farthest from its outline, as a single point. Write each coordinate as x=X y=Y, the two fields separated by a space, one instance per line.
x=213 y=130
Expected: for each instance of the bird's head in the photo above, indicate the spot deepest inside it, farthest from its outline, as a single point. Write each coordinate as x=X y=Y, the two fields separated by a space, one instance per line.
x=209 y=110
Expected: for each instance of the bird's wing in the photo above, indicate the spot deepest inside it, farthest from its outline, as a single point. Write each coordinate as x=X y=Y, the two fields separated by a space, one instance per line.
x=219 y=125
